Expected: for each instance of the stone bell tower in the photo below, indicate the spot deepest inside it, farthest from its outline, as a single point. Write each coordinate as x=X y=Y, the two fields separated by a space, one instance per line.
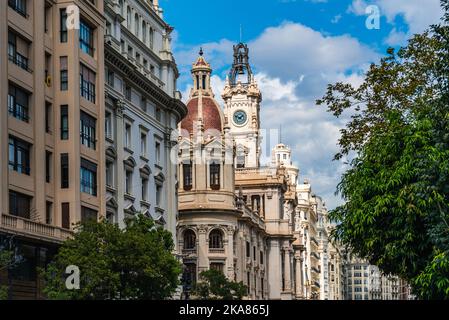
x=242 y=99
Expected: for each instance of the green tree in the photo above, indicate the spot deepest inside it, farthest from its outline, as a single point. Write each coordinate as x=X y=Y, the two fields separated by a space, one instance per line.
x=136 y=263
x=397 y=188
x=6 y=258
x=214 y=285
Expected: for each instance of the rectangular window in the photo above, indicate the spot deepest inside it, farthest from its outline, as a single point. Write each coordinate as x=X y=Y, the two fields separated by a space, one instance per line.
x=128 y=93
x=86 y=38
x=19 y=205
x=18 y=51
x=128 y=182
x=87 y=83
x=108 y=125
x=248 y=249
x=88 y=130
x=88 y=177
x=64 y=122
x=128 y=135
x=145 y=189
x=48 y=212
x=261 y=257
x=215 y=176
x=158 y=153
x=109 y=174
x=20 y=6
x=48 y=156
x=48 y=114
x=64 y=73
x=88 y=215
x=143 y=144
x=143 y=104
x=18 y=101
x=19 y=155
x=158 y=196
x=254 y=254
x=63 y=26
x=111 y=78
x=187 y=176
x=64 y=171
x=65 y=216
x=217 y=267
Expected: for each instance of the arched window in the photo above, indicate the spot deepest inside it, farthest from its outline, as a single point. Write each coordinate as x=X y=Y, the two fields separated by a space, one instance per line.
x=216 y=239
x=128 y=18
x=137 y=25
x=189 y=240
x=144 y=32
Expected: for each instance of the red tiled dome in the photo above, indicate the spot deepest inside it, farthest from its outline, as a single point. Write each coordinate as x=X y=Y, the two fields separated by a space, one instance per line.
x=211 y=115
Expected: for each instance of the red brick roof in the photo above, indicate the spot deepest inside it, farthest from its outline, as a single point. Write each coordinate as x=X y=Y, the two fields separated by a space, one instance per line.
x=211 y=115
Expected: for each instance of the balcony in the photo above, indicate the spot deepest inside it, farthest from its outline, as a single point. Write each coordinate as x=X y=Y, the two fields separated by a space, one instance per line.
x=217 y=250
x=190 y=252
x=26 y=227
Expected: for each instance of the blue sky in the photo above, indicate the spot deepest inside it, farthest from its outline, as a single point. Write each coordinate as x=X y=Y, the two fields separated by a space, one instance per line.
x=297 y=47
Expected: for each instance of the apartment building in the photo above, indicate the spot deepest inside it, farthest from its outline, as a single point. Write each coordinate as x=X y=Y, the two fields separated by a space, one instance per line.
x=143 y=109
x=367 y=282
x=86 y=127
x=52 y=155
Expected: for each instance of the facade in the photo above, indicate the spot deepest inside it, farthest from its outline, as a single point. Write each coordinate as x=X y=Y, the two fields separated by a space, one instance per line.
x=143 y=108
x=216 y=227
x=52 y=117
x=254 y=222
x=367 y=282
x=65 y=148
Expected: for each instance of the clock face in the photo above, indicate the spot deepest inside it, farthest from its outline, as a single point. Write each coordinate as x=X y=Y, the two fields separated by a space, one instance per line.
x=240 y=117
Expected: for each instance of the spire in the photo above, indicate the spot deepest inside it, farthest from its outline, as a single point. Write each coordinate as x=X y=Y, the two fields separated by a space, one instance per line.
x=241 y=65
x=201 y=72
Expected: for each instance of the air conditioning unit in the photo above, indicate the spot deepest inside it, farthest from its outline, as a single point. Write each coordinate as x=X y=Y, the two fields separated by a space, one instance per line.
x=48 y=81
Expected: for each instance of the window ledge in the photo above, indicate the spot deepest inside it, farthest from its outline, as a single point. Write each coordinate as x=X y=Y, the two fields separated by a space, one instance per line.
x=129 y=150
x=129 y=197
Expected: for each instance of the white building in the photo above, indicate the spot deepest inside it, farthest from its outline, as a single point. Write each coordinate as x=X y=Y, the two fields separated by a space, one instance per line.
x=143 y=107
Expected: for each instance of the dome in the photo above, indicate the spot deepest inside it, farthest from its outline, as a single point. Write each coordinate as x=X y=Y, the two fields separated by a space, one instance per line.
x=210 y=114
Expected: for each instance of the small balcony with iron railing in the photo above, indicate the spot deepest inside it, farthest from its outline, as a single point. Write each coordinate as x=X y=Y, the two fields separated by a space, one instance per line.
x=36 y=230
x=190 y=252
x=217 y=251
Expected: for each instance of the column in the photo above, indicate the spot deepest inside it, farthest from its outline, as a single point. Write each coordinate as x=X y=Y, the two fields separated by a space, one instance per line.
x=287 y=274
x=120 y=170
x=298 y=290
x=203 y=249
x=230 y=253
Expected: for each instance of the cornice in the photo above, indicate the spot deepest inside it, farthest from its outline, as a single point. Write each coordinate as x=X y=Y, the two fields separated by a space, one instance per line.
x=155 y=94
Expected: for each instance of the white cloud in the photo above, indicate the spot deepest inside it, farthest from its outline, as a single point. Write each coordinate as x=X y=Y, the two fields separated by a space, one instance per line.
x=417 y=14
x=293 y=65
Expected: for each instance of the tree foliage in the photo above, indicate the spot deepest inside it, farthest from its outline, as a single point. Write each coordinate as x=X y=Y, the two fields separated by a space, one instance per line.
x=397 y=188
x=215 y=286
x=6 y=257
x=131 y=264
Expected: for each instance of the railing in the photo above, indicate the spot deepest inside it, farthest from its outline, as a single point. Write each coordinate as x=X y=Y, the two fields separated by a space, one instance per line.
x=21 y=61
x=189 y=252
x=18 y=224
x=217 y=250
x=261 y=171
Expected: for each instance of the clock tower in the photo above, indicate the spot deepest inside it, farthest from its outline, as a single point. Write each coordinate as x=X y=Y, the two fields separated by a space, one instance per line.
x=242 y=99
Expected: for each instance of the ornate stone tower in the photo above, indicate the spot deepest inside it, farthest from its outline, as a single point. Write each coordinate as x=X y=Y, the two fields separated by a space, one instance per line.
x=242 y=99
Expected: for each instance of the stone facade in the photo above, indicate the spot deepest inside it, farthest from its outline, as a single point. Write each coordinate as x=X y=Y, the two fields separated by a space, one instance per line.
x=265 y=222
